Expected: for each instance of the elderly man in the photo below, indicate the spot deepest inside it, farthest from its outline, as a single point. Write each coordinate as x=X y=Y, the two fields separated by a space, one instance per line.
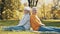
x=24 y=24
x=37 y=25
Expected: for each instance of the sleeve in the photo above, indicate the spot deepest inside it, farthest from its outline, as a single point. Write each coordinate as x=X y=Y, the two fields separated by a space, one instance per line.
x=23 y=21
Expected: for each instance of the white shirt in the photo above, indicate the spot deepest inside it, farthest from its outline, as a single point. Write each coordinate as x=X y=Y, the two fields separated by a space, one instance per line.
x=25 y=21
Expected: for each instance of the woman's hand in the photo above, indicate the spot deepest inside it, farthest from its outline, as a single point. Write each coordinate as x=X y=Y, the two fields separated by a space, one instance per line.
x=42 y=24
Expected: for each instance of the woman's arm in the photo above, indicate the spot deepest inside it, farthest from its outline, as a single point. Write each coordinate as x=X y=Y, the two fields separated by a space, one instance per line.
x=40 y=22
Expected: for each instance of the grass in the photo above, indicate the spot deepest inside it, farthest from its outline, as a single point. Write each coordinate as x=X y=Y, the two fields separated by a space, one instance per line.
x=8 y=22
x=15 y=22
x=52 y=23
x=20 y=32
x=55 y=23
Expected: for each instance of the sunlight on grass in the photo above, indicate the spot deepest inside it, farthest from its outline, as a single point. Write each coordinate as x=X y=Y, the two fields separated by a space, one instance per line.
x=20 y=32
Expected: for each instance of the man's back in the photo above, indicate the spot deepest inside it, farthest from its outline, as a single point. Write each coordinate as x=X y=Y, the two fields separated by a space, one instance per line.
x=25 y=21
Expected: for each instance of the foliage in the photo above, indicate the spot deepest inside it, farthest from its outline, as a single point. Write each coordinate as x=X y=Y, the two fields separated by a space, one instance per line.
x=49 y=11
x=12 y=9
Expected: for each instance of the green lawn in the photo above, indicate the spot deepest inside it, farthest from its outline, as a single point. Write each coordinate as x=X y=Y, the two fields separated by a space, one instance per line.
x=52 y=23
x=15 y=22
x=8 y=22
x=19 y=32
x=55 y=23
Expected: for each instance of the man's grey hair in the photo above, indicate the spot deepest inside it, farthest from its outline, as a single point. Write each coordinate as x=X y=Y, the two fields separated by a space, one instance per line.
x=27 y=8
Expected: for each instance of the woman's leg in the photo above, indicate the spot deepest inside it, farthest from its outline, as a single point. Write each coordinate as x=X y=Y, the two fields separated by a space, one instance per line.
x=57 y=28
x=44 y=28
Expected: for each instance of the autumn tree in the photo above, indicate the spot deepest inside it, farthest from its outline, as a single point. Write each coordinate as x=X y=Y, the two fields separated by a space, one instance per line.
x=8 y=7
x=2 y=2
x=55 y=7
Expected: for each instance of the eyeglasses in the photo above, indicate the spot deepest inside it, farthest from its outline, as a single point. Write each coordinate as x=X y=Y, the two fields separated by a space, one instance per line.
x=25 y=10
x=34 y=10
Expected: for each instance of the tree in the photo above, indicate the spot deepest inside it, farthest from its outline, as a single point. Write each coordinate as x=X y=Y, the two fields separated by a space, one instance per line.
x=1 y=8
x=32 y=3
x=55 y=7
x=8 y=7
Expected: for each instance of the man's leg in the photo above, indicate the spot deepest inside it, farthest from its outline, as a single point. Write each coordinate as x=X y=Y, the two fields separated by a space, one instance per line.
x=14 y=28
x=44 y=28
x=19 y=28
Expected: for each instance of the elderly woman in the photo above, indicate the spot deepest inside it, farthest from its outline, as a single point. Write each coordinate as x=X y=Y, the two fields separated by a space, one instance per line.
x=24 y=24
x=37 y=25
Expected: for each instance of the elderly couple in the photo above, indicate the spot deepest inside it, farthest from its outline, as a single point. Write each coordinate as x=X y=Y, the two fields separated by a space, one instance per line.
x=31 y=21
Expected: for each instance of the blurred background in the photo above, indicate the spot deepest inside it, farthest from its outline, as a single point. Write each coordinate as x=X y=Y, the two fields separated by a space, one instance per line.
x=13 y=9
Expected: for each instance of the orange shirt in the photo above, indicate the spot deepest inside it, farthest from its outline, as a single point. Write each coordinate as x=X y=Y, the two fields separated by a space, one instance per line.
x=34 y=22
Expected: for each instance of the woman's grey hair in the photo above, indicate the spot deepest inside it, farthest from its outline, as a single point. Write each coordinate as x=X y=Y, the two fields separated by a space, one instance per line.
x=34 y=8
